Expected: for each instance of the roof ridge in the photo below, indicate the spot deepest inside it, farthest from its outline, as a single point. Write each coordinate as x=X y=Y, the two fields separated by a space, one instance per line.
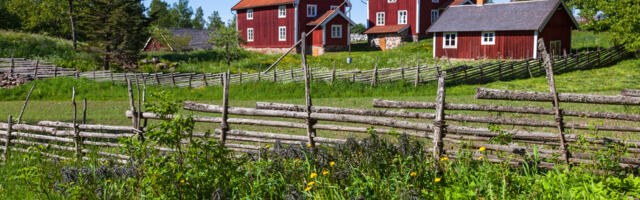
x=503 y=3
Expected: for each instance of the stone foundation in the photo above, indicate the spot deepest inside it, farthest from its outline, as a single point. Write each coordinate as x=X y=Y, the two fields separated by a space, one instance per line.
x=393 y=40
x=268 y=50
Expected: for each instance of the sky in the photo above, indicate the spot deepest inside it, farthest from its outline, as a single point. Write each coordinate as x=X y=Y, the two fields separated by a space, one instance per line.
x=358 y=13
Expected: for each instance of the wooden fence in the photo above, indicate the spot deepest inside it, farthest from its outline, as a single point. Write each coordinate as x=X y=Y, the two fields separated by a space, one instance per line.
x=418 y=74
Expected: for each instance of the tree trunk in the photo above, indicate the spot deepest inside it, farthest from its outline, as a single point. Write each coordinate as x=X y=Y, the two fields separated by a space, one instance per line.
x=73 y=26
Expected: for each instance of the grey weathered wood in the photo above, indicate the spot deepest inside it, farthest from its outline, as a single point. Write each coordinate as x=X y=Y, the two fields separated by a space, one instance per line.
x=132 y=107
x=417 y=81
x=35 y=72
x=439 y=122
x=94 y=127
x=224 y=126
x=631 y=93
x=24 y=106
x=374 y=77
x=190 y=79
x=333 y=73
x=311 y=132
x=76 y=130
x=484 y=93
x=556 y=100
x=84 y=112
x=12 y=65
x=7 y=142
x=173 y=79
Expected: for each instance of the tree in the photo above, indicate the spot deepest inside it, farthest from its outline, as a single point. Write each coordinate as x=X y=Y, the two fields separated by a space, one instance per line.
x=358 y=28
x=118 y=27
x=9 y=20
x=73 y=25
x=42 y=17
x=215 y=21
x=198 y=21
x=159 y=12
x=620 y=18
x=227 y=38
x=182 y=13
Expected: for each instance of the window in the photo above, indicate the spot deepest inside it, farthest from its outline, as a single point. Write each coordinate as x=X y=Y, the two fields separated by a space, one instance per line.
x=391 y=1
x=282 y=33
x=555 y=47
x=312 y=10
x=333 y=7
x=434 y=1
x=450 y=41
x=250 y=34
x=380 y=19
x=282 y=12
x=435 y=14
x=488 y=38
x=336 y=31
x=250 y=14
x=402 y=17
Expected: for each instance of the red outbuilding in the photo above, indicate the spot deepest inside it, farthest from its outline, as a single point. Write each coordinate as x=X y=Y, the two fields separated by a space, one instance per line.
x=503 y=30
x=273 y=26
x=392 y=22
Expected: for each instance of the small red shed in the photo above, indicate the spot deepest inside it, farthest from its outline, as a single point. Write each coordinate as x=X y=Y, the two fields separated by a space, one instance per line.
x=503 y=30
x=333 y=33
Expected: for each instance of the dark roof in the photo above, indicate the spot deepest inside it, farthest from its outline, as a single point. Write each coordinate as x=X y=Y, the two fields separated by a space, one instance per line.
x=328 y=16
x=525 y=15
x=199 y=38
x=387 y=29
x=244 y=4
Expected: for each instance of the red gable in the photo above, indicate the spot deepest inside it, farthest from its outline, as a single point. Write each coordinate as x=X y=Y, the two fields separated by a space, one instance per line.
x=244 y=4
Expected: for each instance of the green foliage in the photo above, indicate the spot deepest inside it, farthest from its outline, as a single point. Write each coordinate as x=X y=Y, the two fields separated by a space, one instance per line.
x=42 y=16
x=182 y=13
x=215 y=21
x=620 y=18
x=358 y=28
x=198 y=20
x=228 y=39
x=159 y=13
x=176 y=42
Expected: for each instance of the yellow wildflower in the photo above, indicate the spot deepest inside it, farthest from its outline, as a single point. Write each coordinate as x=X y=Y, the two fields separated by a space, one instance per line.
x=332 y=164
x=308 y=145
x=311 y=183
x=437 y=180
x=482 y=149
x=480 y=158
x=307 y=189
x=313 y=175
x=182 y=181
x=267 y=146
x=413 y=174
x=297 y=160
x=109 y=181
x=444 y=159
x=325 y=172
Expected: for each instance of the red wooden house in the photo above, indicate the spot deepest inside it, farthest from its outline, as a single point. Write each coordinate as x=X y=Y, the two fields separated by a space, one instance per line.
x=273 y=26
x=503 y=30
x=391 y=22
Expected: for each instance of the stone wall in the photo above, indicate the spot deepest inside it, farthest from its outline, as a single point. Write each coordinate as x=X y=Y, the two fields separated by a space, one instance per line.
x=393 y=39
x=268 y=50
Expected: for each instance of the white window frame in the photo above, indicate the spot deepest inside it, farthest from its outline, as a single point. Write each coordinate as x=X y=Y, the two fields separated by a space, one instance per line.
x=282 y=33
x=336 y=31
x=403 y=18
x=488 y=40
x=445 y=40
x=312 y=10
x=333 y=7
x=380 y=18
x=250 y=35
x=282 y=11
x=250 y=14
x=392 y=1
x=435 y=13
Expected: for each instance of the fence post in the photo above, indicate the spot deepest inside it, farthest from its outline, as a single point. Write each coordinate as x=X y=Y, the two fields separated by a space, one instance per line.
x=204 y=79
x=333 y=73
x=599 y=61
x=12 y=65
x=499 y=69
x=482 y=78
x=439 y=122
x=566 y=59
x=241 y=77
x=190 y=78
x=35 y=73
x=311 y=132
x=7 y=143
x=275 y=75
x=556 y=102
x=132 y=107
x=84 y=112
x=529 y=68
x=55 y=71
x=402 y=74
x=259 y=74
x=173 y=79
x=222 y=78
x=415 y=84
x=224 y=126
x=76 y=131
x=374 y=77
x=24 y=106
x=293 y=79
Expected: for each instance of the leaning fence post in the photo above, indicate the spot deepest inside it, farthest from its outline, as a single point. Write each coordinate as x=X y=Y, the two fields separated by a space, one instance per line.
x=415 y=84
x=224 y=126
x=333 y=73
x=190 y=79
x=311 y=132
x=132 y=107
x=35 y=72
x=439 y=122
x=7 y=143
x=24 y=106
x=374 y=77
x=76 y=131
x=55 y=71
x=204 y=79
x=556 y=101
x=12 y=65
x=157 y=79
x=173 y=79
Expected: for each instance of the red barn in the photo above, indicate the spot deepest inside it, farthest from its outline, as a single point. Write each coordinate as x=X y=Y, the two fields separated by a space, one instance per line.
x=391 y=22
x=273 y=26
x=503 y=30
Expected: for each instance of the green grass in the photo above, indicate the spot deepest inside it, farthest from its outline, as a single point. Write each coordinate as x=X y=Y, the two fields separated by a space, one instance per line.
x=55 y=50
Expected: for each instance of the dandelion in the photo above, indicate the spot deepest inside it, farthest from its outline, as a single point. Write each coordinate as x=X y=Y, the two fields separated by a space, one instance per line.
x=413 y=174
x=313 y=175
x=297 y=160
x=308 y=145
x=480 y=158
x=325 y=172
x=267 y=146
x=182 y=181
x=108 y=180
x=482 y=149
x=437 y=180
x=444 y=159
x=307 y=189
x=311 y=183
x=332 y=163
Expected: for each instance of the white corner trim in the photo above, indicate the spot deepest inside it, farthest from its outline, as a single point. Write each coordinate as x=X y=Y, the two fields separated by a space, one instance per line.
x=535 y=44
x=368 y=18
x=434 y=44
x=324 y=35
x=417 y=16
x=295 y=24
